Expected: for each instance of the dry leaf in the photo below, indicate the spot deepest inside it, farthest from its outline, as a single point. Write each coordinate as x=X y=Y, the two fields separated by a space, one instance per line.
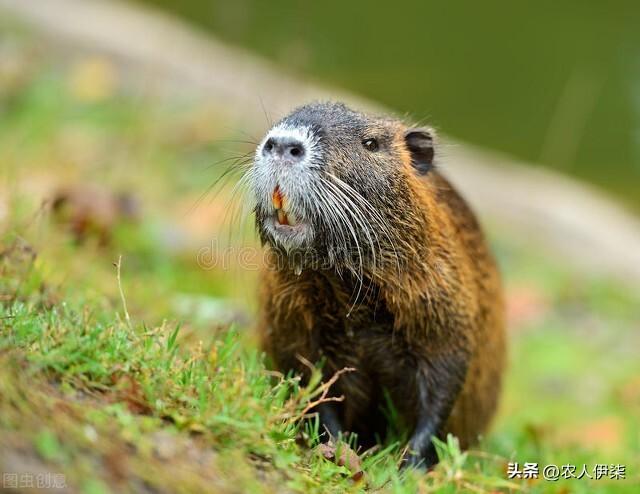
x=342 y=455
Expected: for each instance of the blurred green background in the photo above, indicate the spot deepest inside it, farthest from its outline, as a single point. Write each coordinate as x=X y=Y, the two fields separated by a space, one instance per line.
x=148 y=378
x=555 y=83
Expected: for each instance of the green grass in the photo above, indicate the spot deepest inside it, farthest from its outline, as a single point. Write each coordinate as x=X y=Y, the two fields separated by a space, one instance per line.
x=152 y=381
x=83 y=388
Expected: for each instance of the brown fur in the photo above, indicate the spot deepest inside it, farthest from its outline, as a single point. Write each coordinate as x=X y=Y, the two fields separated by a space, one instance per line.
x=443 y=307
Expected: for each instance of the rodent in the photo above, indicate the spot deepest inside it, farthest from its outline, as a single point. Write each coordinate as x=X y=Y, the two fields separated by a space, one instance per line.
x=378 y=264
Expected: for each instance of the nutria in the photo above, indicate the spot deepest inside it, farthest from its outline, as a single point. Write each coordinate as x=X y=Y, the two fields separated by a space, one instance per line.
x=376 y=263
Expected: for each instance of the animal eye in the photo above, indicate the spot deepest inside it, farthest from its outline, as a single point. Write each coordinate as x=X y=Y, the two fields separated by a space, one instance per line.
x=370 y=144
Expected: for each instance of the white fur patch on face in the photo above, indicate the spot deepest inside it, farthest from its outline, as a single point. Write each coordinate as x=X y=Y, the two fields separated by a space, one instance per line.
x=296 y=182
x=299 y=133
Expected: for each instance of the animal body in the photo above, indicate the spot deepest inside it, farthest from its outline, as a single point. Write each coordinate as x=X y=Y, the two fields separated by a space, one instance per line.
x=378 y=264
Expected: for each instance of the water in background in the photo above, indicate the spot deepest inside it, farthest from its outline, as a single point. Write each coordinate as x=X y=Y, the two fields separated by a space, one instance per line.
x=551 y=82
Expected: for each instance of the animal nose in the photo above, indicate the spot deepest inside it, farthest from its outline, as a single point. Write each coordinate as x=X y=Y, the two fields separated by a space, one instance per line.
x=286 y=148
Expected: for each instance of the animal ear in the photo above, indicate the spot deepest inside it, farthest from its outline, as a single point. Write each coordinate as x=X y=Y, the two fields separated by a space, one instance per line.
x=420 y=145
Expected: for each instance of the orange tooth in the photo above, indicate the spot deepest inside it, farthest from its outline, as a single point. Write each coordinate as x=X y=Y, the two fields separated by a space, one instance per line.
x=277 y=198
x=282 y=217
